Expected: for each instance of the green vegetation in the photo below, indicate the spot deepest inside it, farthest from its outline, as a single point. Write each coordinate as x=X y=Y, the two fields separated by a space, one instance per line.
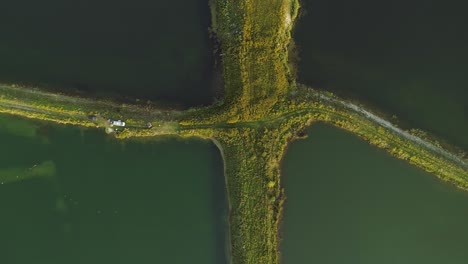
x=262 y=111
x=401 y=144
x=63 y=109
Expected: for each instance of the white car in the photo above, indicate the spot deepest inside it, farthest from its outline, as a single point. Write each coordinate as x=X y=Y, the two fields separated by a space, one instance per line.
x=119 y=123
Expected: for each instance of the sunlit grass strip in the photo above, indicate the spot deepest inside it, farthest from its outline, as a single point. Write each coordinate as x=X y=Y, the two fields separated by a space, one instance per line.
x=423 y=154
x=254 y=38
x=65 y=109
x=45 y=115
x=253 y=126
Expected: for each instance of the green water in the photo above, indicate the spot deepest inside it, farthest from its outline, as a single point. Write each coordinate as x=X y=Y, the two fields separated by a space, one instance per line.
x=158 y=50
x=407 y=58
x=351 y=203
x=78 y=196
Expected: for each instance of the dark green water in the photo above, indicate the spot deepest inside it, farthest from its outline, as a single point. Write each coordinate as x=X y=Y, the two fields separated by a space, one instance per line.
x=407 y=58
x=157 y=50
x=99 y=200
x=351 y=203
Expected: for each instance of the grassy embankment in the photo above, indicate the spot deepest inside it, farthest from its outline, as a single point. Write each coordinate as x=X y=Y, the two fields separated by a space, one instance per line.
x=72 y=110
x=254 y=38
x=404 y=145
x=262 y=111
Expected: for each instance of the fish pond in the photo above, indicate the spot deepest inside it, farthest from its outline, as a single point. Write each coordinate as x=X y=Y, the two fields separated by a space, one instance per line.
x=79 y=196
x=407 y=58
x=349 y=202
x=157 y=50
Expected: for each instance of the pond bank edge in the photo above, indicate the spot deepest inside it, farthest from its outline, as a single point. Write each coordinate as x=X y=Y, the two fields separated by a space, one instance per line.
x=228 y=228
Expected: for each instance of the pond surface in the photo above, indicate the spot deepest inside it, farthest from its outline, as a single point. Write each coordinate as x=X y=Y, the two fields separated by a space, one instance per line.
x=351 y=203
x=78 y=196
x=407 y=58
x=158 y=50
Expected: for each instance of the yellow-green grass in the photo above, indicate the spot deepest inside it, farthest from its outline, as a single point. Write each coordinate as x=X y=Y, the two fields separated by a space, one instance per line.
x=261 y=113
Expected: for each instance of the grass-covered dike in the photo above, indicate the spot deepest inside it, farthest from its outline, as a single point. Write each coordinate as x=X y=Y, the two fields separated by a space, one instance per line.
x=262 y=111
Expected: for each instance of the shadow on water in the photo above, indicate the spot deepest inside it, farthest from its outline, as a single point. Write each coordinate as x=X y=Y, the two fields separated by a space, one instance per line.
x=406 y=58
x=220 y=208
x=156 y=50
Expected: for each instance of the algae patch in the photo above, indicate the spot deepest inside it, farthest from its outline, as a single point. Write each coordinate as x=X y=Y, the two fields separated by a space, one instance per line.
x=44 y=170
x=18 y=127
